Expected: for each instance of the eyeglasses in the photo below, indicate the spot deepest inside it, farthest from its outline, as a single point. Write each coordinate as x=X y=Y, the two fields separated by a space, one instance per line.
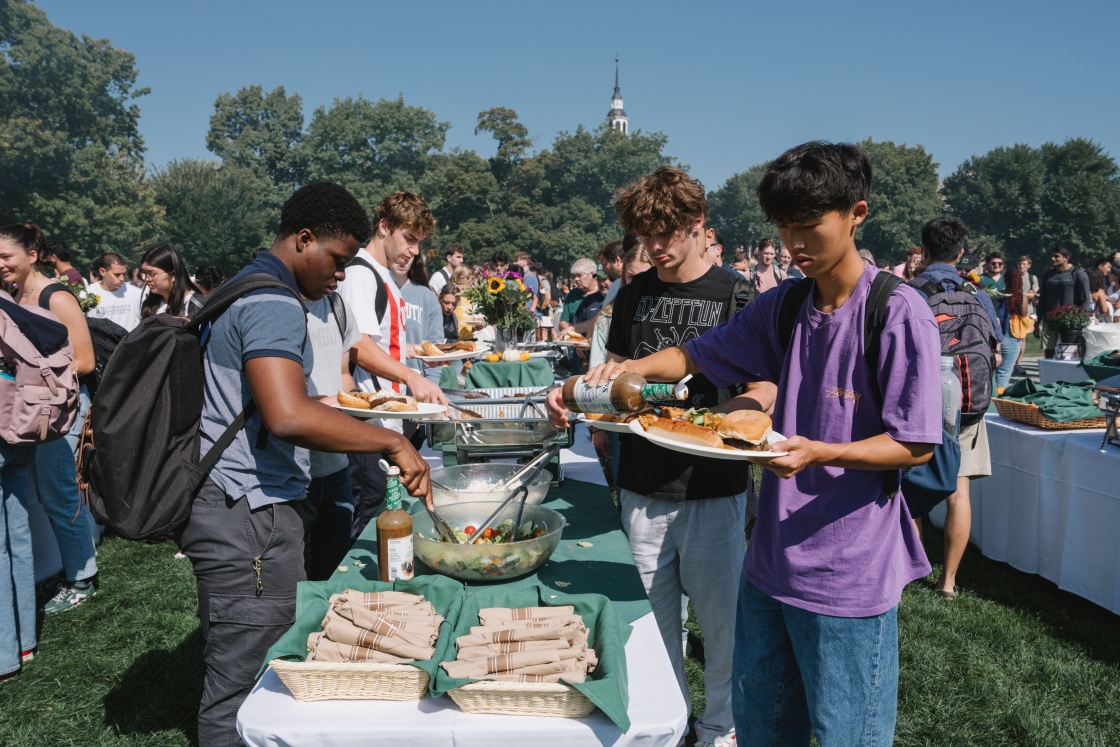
x=996 y=264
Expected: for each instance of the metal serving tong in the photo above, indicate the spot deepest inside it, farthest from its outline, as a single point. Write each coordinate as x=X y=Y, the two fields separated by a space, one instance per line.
x=442 y=528
x=526 y=475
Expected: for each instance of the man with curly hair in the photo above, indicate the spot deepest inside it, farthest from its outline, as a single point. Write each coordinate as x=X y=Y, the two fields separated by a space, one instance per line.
x=683 y=515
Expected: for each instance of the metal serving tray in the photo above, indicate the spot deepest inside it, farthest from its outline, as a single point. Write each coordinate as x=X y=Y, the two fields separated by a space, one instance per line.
x=509 y=427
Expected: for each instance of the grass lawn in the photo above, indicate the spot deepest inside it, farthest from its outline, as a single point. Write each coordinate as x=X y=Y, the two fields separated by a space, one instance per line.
x=1014 y=661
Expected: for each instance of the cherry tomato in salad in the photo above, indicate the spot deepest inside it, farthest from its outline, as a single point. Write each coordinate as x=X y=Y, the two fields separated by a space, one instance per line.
x=470 y=530
x=487 y=533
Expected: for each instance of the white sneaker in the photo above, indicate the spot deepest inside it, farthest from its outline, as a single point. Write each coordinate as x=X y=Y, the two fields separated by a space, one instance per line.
x=728 y=741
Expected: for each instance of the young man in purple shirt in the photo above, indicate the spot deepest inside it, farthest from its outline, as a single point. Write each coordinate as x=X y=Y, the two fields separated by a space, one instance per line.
x=816 y=646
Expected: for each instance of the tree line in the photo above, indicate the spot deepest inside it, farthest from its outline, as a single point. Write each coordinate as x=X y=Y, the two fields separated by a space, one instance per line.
x=72 y=160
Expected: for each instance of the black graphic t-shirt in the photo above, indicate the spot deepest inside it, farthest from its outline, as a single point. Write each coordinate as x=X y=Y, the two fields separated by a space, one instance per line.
x=665 y=315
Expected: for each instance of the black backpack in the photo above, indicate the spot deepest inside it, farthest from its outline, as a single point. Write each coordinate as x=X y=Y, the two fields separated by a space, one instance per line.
x=139 y=465
x=966 y=337
x=106 y=335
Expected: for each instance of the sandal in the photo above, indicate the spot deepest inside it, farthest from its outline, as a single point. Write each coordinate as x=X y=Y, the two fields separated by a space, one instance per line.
x=956 y=592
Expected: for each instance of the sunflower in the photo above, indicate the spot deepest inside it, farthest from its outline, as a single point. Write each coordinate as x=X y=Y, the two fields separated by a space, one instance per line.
x=495 y=285
x=520 y=284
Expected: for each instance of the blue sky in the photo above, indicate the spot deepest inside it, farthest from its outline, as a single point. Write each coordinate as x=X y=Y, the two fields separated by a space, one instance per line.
x=730 y=84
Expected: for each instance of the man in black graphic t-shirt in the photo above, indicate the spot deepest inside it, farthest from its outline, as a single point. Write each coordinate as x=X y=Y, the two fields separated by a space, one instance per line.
x=683 y=515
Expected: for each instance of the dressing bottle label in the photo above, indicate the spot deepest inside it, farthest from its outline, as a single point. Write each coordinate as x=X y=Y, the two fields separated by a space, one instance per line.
x=400 y=558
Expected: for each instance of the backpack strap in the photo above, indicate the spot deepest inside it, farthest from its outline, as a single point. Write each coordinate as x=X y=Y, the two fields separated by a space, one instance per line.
x=791 y=308
x=338 y=310
x=216 y=304
x=925 y=286
x=742 y=293
x=875 y=315
x=381 y=296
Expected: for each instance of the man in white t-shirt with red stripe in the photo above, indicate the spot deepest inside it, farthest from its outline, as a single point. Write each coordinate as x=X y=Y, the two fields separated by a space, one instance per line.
x=402 y=221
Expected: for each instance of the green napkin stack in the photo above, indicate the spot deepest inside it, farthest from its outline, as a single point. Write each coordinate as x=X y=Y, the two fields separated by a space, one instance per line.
x=313 y=599
x=1103 y=366
x=609 y=688
x=1061 y=402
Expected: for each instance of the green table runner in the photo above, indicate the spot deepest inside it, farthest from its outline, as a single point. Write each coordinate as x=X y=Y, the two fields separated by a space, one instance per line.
x=1059 y=402
x=604 y=567
x=313 y=600
x=534 y=372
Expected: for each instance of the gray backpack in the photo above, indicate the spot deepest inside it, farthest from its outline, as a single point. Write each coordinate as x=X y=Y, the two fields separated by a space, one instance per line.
x=38 y=388
x=967 y=337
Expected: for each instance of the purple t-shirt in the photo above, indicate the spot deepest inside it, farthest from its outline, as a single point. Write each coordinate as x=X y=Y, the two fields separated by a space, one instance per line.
x=829 y=540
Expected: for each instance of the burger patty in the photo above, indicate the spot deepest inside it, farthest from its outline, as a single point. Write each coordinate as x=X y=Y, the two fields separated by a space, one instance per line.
x=735 y=443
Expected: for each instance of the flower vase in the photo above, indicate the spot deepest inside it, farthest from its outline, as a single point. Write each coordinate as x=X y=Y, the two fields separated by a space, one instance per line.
x=504 y=337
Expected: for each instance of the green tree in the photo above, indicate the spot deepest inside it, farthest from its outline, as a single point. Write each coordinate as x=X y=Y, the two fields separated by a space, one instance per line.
x=71 y=155
x=999 y=195
x=512 y=137
x=261 y=132
x=903 y=198
x=215 y=213
x=373 y=147
x=733 y=209
x=1080 y=198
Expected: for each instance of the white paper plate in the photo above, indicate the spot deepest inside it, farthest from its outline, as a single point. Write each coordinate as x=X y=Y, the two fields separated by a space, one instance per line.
x=424 y=410
x=707 y=451
x=612 y=427
x=461 y=355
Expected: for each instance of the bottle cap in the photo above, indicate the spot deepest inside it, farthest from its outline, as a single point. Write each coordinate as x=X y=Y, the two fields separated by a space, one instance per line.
x=390 y=470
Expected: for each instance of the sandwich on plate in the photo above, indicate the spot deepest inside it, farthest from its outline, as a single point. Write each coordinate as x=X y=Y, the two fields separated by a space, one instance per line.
x=742 y=430
x=385 y=400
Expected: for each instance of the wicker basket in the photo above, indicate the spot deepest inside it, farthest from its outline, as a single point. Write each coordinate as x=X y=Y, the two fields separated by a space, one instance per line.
x=326 y=680
x=1031 y=415
x=522 y=699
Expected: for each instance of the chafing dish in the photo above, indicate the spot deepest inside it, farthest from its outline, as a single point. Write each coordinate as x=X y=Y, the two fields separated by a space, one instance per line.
x=1108 y=400
x=514 y=424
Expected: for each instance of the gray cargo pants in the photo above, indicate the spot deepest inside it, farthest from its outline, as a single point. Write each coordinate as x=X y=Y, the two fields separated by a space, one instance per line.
x=246 y=564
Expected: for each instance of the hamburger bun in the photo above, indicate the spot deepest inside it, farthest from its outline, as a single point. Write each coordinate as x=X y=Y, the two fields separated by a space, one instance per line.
x=746 y=429
x=398 y=405
x=349 y=400
x=427 y=348
x=685 y=432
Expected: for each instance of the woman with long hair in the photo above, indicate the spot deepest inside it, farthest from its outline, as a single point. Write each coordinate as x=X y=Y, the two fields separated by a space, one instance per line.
x=170 y=288
x=51 y=475
x=1018 y=325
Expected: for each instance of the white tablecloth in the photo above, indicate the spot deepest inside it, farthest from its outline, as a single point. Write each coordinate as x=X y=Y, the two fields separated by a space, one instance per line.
x=1051 y=507
x=1051 y=371
x=271 y=717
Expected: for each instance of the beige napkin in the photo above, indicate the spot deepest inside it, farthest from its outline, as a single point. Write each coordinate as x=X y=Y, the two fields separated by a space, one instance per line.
x=503 y=663
x=489 y=614
x=490 y=649
x=481 y=636
x=558 y=621
x=341 y=630
x=384 y=600
x=321 y=648
x=574 y=677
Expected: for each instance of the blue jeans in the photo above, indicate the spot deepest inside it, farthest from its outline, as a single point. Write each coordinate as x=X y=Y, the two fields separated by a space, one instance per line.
x=17 y=564
x=1010 y=352
x=52 y=480
x=329 y=537
x=795 y=672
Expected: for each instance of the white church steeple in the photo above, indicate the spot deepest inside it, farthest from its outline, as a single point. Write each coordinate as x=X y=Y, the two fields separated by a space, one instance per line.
x=617 y=115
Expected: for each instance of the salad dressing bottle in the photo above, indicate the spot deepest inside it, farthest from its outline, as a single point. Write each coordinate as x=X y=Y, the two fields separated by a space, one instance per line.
x=628 y=393
x=394 y=531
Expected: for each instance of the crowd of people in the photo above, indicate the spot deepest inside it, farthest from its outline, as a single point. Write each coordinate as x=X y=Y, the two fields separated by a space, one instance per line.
x=800 y=627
